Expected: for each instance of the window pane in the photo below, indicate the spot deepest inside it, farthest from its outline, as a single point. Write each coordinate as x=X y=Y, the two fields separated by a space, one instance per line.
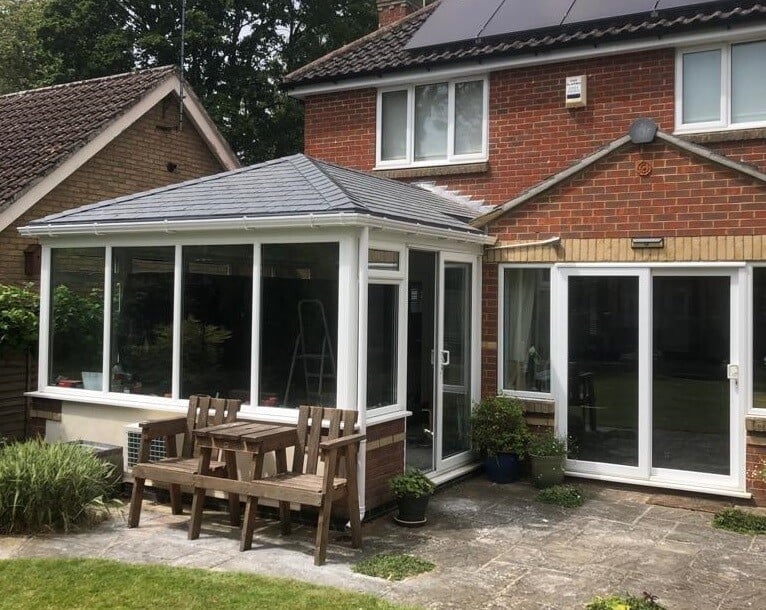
x=526 y=325
x=759 y=338
x=393 y=131
x=431 y=107
x=382 y=341
x=702 y=86
x=469 y=115
x=216 y=323
x=142 y=321
x=748 y=83
x=299 y=324
x=77 y=318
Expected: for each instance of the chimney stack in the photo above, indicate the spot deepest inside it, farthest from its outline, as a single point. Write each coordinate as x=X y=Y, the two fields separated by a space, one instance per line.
x=390 y=11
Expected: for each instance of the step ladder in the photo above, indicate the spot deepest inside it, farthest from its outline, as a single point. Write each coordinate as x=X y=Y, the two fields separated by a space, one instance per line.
x=313 y=348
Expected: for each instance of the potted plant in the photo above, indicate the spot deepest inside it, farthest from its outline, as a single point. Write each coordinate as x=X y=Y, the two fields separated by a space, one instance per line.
x=547 y=453
x=412 y=490
x=499 y=432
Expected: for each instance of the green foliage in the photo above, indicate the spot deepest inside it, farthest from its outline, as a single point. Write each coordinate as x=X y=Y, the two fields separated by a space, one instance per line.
x=739 y=521
x=78 y=321
x=393 y=566
x=32 y=584
x=413 y=483
x=498 y=426
x=18 y=318
x=546 y=444
x=50 y=486
x=630 y=602
x=568 y=496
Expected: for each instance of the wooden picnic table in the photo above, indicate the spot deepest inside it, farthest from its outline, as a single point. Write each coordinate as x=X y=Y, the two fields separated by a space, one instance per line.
x=252 y=438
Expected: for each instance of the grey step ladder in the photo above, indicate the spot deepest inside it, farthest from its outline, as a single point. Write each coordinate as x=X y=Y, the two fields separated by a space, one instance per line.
x=313 y=348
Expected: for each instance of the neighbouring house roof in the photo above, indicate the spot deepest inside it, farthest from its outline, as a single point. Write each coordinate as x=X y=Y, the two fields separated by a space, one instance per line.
x=43 y=129
x=294 y=186
x=693 y=149
x=383 y=51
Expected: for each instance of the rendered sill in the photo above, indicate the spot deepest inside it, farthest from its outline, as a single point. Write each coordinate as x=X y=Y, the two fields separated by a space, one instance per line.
x=457 y=169
x=723 y=135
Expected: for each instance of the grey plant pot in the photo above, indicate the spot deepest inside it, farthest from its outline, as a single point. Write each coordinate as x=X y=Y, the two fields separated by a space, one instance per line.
x=547 y=470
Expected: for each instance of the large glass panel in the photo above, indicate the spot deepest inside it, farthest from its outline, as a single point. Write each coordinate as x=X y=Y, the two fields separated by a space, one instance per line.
x=526 y=326
x=469 y=117
x=603 y=369
x=142 y=321
x=216 y=323
x=702 y=86
x=382 y=344
x=431 y=116
x=690 y=399
x=456 y=395
x=77 y=318
x=299 y=324
x=748 y=83
x=759 y=338
x=393 y=132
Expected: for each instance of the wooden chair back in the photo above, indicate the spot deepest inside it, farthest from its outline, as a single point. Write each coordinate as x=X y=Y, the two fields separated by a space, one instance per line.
x=205 y=411
x=312 y=431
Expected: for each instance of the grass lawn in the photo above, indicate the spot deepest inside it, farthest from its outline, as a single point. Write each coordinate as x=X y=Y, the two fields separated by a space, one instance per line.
x=88 y=583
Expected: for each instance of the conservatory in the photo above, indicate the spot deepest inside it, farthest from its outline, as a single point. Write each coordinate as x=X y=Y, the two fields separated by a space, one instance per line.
x=285 y=283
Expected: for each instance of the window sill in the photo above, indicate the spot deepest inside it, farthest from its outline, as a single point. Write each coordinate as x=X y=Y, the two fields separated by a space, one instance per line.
x=722 y=135
x=755 y=423
x=383 y=418
x=451 y=169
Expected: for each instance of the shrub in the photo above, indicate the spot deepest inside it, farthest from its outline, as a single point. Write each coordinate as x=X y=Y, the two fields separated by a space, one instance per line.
x=393 y=566
x=568 y=496
x=735 y=520
x=615 y=602
x=50 y=486
x=546 y=444
x=18 y=318
x=412 y=483
x=498 y=426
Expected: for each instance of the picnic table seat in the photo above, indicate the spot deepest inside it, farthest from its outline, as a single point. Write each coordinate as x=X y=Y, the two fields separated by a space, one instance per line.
x=324 y=435
x=176 y=470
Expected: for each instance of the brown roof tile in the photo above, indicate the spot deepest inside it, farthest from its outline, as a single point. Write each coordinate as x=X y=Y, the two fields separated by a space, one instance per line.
x=383 y=51
x=40 y=128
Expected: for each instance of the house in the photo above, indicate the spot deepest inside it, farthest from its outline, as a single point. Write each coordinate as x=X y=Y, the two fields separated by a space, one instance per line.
x=622 y=146
x=74 y=144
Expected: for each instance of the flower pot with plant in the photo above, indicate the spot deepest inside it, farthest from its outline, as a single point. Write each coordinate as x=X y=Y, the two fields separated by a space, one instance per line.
x=412 y=490
x=546 y=454
x=499 y=433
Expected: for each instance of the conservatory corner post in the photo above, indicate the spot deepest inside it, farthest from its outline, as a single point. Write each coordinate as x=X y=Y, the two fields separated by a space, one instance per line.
x=347 y=322
x=361 y=401
x=44 y=326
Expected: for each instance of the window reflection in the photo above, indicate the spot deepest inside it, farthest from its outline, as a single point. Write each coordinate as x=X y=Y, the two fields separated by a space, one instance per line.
x=382 y=342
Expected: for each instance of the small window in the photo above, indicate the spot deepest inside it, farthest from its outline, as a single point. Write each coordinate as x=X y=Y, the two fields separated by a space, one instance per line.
x=382 y=344
x=383 y=260
x=723 y=87
x=526 y=330
x=442 y=122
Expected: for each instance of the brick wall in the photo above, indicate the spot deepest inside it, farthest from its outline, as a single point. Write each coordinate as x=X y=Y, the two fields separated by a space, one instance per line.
x=385 y=459
x=756 y=459
x=135 y=161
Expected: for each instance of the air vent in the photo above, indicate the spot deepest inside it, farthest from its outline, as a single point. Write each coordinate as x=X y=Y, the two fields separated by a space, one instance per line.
x=133 y=447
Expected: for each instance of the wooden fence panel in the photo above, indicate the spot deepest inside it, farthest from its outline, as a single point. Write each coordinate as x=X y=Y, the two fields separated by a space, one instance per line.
x=14 y=381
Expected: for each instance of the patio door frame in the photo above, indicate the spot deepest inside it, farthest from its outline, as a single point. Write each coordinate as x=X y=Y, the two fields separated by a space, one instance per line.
x=644 y=472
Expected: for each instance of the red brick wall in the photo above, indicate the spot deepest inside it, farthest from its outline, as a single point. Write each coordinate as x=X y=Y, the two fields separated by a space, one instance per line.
x=489 y=313
x=135 y=161
x=756 y=462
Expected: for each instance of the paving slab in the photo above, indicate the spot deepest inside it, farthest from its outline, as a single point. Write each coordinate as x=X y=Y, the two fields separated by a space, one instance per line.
x=494 y=546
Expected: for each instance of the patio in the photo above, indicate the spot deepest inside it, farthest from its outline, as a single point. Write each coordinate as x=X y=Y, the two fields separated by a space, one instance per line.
x=494 y=547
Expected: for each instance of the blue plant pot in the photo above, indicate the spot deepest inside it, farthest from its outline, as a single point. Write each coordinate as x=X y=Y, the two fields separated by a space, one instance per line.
x=502 y=468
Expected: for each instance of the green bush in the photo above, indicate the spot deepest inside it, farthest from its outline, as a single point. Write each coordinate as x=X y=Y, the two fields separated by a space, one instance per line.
x=498 y=426
x=412 y=483
x=18 y=317
x=568 y=496
x=739 y=521
x=546 y=444
x=615 y=602
x=50 y=486
x=393 y=566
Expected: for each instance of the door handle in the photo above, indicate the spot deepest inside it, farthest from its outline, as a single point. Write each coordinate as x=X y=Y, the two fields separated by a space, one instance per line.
x=445 y=357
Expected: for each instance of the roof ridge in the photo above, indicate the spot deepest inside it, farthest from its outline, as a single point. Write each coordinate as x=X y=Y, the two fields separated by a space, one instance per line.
x=307 y=159
x=166 y=68
x=358 y=42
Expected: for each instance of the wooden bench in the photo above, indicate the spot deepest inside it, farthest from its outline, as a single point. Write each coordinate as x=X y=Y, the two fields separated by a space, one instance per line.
x=176 y=470
x=336 y=446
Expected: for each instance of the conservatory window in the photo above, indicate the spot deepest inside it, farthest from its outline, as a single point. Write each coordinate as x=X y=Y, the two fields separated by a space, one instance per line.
x=382 y=344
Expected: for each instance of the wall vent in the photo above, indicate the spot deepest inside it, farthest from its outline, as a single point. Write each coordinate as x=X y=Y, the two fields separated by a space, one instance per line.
x=133 y=446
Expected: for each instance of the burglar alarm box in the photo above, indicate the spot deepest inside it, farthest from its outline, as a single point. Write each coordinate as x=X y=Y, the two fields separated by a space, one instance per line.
x=576 y=91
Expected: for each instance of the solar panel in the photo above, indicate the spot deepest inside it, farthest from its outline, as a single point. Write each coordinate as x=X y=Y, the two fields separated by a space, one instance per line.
x=523 y=15
x=592 y=10
x=454 y=21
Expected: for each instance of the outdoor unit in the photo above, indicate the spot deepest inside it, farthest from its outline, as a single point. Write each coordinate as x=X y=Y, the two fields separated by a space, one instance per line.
x=133 y=446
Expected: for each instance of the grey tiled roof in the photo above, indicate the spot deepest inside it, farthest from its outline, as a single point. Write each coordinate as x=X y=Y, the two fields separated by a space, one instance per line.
x=383 y=51
x=41 y=128
x=290 y=186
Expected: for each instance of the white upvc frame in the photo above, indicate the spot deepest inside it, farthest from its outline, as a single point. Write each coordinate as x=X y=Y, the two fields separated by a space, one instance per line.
x=501 y=390
x=451 y=158
x=724 y=124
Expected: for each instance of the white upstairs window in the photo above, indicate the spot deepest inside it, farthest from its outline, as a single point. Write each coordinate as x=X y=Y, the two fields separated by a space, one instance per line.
x=432 y=123
x=721 y=87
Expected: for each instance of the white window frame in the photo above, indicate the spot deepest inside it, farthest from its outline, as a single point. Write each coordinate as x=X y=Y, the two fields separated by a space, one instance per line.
x=451 y=158
x=501 y=390
x=724 y=124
